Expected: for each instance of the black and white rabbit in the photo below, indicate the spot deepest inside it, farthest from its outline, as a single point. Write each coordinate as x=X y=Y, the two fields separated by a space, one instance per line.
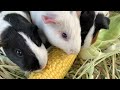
x=91 y=22
x=20 y=41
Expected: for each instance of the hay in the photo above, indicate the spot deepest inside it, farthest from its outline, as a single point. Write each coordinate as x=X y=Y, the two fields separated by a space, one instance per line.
x=8 y=70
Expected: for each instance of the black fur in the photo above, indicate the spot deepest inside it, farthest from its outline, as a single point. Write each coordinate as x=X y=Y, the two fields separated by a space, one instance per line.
x=44 y=39
x=87 y=21
x=20 y=24
x=101 y=22
x=12 y=41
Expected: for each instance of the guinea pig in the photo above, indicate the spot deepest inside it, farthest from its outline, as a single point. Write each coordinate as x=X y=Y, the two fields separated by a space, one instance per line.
x=20 y=41
x=59 y=29
x=91 y=22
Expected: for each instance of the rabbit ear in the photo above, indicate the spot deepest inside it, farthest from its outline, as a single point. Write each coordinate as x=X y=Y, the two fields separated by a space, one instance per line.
x=49 y=18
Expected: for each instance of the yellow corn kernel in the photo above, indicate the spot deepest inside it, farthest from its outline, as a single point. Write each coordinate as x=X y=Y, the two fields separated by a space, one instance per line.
x=58 y=66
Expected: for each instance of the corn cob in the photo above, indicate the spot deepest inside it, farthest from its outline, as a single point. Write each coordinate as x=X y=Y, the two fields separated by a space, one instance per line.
x=58 y=65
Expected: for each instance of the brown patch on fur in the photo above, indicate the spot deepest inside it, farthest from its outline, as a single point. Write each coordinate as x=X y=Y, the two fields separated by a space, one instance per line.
x=95 y=38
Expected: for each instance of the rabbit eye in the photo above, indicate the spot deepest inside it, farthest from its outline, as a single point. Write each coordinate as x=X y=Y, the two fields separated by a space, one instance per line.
x=19 y=52
x=64 y=35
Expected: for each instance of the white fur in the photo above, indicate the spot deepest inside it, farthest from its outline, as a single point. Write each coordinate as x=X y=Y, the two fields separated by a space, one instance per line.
x=3 y=25
x=40 y=52
x=78 y=13
x=89 y=37
x=68 y=23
